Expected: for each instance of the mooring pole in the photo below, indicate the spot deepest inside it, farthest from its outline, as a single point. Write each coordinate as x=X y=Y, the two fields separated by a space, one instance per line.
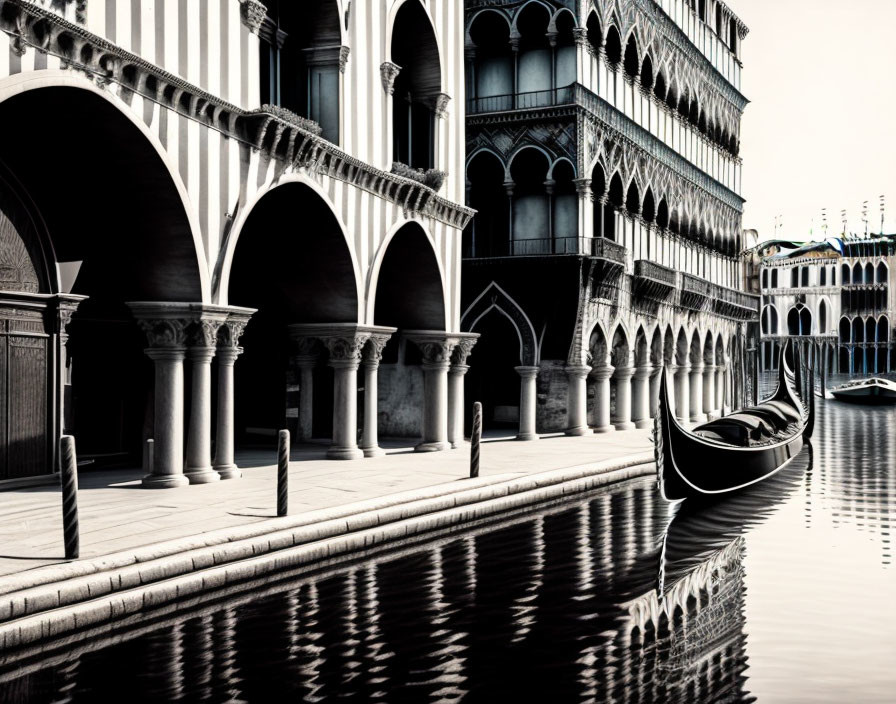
x=69 y=479
x=475 y=440
x=282 y=472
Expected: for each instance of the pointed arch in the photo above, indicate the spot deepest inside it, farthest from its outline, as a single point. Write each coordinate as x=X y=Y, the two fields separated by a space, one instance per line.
x=495 y=297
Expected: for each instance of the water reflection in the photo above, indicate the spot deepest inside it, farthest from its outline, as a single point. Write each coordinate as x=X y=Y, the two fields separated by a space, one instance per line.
x=613 y=598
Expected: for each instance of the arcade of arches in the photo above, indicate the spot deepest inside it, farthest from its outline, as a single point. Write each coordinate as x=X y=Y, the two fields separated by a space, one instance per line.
x=106 y=334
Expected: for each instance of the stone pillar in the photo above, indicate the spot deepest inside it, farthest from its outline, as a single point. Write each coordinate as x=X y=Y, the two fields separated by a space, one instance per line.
x=436 y=349
x=305 y=364
x=228 y=351
x=709 y=390
x=372 y=355
x=641 y=396
x=167 y=348
x=345 y=358
x=199 y=439
x=456 y=373
x=528 y=376
x=623 y=378
x=577 y=401
x=655 y=377
x=682 y=408
x=602 y=399
x=720 y=388
x=696 y=401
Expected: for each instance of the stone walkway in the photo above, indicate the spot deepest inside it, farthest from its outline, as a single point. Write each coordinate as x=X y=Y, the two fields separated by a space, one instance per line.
x=117 y=514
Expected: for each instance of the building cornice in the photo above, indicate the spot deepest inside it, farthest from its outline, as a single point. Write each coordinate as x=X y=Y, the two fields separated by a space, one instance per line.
x=276 y=132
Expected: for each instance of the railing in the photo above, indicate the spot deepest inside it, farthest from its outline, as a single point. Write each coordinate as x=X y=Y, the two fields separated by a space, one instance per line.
x=695 y=286
x=521 y=101
x=733 y=297
x=583 y=246
x=646 y=269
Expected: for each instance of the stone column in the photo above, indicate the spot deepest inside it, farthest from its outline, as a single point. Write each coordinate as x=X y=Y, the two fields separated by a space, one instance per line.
x=623 y=377
x=228 y=351
x=306 y=364
x=372 y=355
x=528 y=375
x=697 y=415
x=456 y=373
x=709 y=390
x=167 y=348
x=720 y=388
x=345 y=358
x=436 y=349
x=641 y=395
x=682 y=408
x=199 y=439
x=602 y=399
x=655 y=377
x=577 y=401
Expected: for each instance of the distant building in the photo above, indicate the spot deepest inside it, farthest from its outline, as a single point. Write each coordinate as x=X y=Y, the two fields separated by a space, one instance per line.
x=841 y=301
x=603 y=159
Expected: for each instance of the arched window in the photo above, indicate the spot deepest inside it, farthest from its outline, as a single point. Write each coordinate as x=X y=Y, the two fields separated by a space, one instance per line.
x=882 y=273
x=595 y=34
x=804 y=276
x=765 y=278
x=564 y=209
x=648 y=208
x=833 y=276
x=823 y=276
x=614 y=46
x=719 y=22
x=845 y=334
x=794 y=277
x=822 y=318
x=417 y=86
x=616 y=198
x=869 y=273
x=793 y=322
x=631 y=64
x=844 y=274
x=662 y=214
x=488 y=234
x=531 y=203
x=633 y=199
x=774 y=278
x=491 y=85
x=299 y=63
x=534 y=58
x=805 y=321
x=732 y=36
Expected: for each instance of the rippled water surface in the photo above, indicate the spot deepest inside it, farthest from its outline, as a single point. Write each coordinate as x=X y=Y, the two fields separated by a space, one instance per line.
x=785 y=593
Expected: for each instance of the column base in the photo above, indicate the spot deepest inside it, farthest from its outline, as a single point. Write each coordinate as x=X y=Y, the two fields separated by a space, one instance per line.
x=344 y=453
x=643 y=424
x=372 y=451
x=624 y=425
x=228 y=471
x=527 y=436
x=432 y=447
x=578 y=432
x=203 y=475
x=169 y=481
x=605 y=429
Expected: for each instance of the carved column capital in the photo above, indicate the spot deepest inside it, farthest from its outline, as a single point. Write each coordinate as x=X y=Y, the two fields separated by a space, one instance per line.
x=388 y=73
x=603 y=372
x=583 y=187
x=465 y=344
x=577 y=371
x=527 y=372
x=580 y=35
x=442 y=100
x=164 y=333
x=345 y=350
x=253 y=13
x=436 y=347
x=232 y=329
x=344 y=51
x=373 y=351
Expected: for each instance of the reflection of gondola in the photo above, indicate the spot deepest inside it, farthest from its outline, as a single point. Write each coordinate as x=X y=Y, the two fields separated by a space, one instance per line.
x=734 y=451
x=689 y=629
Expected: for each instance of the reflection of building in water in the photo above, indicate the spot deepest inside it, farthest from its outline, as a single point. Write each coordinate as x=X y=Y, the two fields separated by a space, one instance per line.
x=689 y=643
x=834 y=293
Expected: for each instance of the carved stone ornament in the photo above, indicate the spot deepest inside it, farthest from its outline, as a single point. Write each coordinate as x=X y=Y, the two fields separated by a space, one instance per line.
x=345 y=348
x=579 y=35
x=253 y=13
x=373 y=350
x=388 y=73
x=307 y=346
x=164 y=333
x=231 y=330
x=344 y=51
x=442 y=100
x=203 y=333
x=462 y=351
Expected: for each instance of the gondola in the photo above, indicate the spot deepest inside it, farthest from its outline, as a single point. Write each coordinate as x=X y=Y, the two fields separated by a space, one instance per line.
x=873 y=391
x=734 y=451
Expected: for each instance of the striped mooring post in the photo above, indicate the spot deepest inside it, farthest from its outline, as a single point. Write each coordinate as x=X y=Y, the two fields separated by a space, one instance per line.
x=282 y=472
x=475 y=440
x=69 y=480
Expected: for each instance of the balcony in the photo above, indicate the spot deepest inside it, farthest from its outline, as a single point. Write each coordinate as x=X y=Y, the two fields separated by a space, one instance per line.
x=522 y=101
x=732 y=303
x=695 y=292
x=654 y=282
x=540 y=247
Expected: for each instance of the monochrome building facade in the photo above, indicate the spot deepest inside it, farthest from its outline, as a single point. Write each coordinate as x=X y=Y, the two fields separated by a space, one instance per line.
x=603 y=163
x=222 y=218
x=836 y=298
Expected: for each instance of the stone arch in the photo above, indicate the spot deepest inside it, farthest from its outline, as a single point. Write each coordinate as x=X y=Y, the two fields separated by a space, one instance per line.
x=489 y=32
x=708 y=350
x=407 y=262
x=613 y=45
x=418 y=85
x=493 y=297
x=769 y=320
x=642 y=347
x=823 y=307
x=558 y=162
x=620 y=351
x=488 y=232
x=882 y=273
x=598 y=346
x=669 y=346
x=695 y=355
x=682 y=348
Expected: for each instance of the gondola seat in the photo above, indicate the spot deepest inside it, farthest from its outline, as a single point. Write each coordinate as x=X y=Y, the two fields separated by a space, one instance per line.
x=770 y=415
x=737 y=428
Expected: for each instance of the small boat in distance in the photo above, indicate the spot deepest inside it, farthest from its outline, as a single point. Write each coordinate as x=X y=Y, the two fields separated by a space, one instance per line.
x=734 y=451
x=874 y=391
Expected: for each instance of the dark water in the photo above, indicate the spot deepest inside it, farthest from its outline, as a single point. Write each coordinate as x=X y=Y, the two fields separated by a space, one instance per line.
x=785 y=594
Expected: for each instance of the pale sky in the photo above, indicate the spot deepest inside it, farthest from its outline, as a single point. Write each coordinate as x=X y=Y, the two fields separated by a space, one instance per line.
x=820 y=130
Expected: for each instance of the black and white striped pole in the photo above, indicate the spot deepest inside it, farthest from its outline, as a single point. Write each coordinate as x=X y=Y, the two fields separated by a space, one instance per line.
x=475 y=440
x=282 y=472
x=69 y=480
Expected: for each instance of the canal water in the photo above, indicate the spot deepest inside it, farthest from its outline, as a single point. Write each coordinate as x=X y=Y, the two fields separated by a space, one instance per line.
x=786 y=593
